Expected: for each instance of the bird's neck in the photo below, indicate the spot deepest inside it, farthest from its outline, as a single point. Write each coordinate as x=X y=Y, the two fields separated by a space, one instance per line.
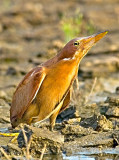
x=51 y=61
x=76 y=60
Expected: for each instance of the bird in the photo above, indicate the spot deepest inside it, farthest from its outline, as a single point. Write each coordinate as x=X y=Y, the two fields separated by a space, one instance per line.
x=45 y=91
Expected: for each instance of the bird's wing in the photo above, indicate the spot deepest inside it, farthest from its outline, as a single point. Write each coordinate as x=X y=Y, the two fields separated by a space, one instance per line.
x=26 y=92
x=66 y=101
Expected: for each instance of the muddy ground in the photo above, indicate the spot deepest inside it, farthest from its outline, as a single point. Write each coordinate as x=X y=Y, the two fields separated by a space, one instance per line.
x=30 y=33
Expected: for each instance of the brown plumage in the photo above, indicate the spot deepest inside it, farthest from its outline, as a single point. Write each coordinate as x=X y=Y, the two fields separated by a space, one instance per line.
x=45 y=90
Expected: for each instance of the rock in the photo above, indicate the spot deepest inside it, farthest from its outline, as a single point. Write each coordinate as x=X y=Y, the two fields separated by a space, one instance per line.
x=115 y=122
x=111 y=107
x=90 y=122
x=93 y=140
x=74 y=121
x=76 y=130
x=40 y=137
x=47 y=134
x=113 y=112
x=112 y=101
x=104 y=124
x=103 y=107
x=53 y=141
x=66 y=114
x=116 y=139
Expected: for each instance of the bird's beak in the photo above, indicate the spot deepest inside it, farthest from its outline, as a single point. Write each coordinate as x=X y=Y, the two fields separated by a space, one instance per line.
x=96 y=37
x=88 y=42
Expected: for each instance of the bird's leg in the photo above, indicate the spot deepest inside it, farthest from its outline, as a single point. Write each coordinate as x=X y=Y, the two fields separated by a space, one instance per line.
x=53 y=119
x=54 y=116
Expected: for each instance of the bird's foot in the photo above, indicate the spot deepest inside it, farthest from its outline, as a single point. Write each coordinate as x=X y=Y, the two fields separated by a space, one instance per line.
x=52 y=128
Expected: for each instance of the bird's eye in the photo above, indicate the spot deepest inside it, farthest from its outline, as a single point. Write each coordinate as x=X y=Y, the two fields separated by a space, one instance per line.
x=76 y=43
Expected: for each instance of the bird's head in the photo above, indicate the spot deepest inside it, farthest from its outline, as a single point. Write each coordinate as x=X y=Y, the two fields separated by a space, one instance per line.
x=78 y=47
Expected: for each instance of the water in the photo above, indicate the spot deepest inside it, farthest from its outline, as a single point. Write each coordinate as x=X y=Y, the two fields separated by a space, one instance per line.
x=94 y=154
x=81 y=157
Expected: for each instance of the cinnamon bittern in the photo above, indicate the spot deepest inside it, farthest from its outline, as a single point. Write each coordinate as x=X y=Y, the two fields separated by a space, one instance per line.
x=45 y=90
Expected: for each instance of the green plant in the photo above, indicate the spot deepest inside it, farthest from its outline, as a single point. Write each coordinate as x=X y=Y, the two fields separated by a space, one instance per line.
x=71 y=26
x=76 y=25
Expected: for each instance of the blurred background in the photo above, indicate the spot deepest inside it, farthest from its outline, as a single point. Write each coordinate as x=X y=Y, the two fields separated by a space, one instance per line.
x=32 y=31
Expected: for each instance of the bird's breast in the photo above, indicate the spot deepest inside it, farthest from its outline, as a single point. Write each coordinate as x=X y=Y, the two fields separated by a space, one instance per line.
x=58 y=79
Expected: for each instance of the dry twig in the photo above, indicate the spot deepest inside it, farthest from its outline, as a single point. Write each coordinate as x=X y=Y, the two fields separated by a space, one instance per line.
x=43 y=151
x=4 y=153
x=27 y=144
x=91 y=91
